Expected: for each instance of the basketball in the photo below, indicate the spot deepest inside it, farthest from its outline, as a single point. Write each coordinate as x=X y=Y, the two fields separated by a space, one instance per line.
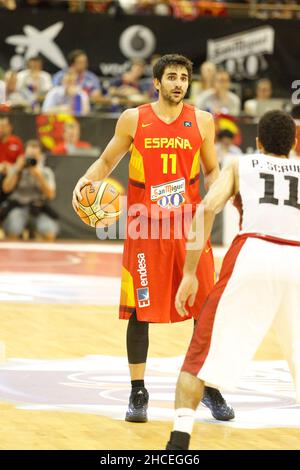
x=100 y=204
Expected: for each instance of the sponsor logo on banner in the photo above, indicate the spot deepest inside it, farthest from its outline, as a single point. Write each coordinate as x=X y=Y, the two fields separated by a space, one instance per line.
x=143 y=295
x=243 y=54
x=169 y=195
x=137 y=42
x=34 y=42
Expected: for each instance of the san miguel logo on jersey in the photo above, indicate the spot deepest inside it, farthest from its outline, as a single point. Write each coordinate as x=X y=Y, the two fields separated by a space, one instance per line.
x=169 y=195
x=167 y=143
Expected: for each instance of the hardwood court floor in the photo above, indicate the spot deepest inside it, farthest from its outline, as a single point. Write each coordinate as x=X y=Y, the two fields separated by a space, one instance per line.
x=68 y=331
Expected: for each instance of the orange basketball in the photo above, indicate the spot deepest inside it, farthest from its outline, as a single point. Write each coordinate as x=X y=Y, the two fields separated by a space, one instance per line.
x=100 y=204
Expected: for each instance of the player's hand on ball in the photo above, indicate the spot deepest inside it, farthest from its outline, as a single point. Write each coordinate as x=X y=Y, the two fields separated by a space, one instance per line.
x=186 y=292
x=76 y=193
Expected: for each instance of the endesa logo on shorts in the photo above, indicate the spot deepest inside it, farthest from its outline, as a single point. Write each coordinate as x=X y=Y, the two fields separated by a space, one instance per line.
x=169 y=195
x=143 y=296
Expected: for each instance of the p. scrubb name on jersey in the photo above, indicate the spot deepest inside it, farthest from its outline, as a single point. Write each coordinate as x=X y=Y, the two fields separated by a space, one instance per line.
x=143 y=296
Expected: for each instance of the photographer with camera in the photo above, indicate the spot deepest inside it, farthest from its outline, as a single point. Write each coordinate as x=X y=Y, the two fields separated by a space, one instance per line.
x=29 y=185
x=11 y=146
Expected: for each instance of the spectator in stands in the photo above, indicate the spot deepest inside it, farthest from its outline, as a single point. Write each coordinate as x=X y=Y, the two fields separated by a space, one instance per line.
x=98 y=7
x=72 y=144
x=276 y=11
x=263 y=92
x=146 y=84
x=127 y=87
x=38 y=4
x=2 y=92
x=14 y=98
x=3 y=172
x=3 y=196
x=206 y=80
x=128 y=6
x=152 y=7
x=33 y=82
x=75 y=6
x=67 y=98
x=30 y=185
x=8 y=4
x=220 y=99
x=162 y=8
x=86 y=80
x=225 y=146
x=11 y=146
x=185 y=9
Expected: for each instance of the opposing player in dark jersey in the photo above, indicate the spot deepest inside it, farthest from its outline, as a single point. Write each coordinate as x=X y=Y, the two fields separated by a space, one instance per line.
x=169 y=140
x=259 y=284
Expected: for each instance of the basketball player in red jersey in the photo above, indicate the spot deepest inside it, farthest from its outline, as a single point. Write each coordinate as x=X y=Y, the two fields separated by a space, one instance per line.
x=259 y=283
x=165 y=138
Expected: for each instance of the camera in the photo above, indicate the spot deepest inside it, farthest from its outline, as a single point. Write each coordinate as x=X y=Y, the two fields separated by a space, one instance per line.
x=30 y=161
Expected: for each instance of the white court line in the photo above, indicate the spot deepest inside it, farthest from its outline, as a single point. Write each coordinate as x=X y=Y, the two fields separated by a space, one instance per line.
x=83 y=247
x=99 y=247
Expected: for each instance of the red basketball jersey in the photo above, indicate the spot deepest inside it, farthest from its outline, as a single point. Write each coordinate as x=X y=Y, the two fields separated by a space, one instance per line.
x=164 y=173
x=164 y=166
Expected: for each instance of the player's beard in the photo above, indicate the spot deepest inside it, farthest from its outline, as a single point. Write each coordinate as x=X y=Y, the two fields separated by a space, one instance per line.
x=169 y=98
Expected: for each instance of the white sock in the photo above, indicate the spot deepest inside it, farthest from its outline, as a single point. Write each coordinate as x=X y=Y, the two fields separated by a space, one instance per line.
x=184 y=420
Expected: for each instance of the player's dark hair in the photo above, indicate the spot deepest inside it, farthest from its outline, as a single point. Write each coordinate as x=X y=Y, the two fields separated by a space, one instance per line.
x=169 y=60
x=277 y=132
x=72 y=56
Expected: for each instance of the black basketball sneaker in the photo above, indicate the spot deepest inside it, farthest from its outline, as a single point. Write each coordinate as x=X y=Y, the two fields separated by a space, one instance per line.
x=138 y=404
x=213 y=399
x=178 y=441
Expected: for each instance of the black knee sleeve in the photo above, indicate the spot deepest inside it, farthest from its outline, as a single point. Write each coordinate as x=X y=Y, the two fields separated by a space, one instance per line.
x=137 y=340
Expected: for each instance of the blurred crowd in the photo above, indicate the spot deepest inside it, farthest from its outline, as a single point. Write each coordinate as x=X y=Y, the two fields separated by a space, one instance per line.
x=185 y=9
x=27 y=183
x=78 y=91
x=75 y=90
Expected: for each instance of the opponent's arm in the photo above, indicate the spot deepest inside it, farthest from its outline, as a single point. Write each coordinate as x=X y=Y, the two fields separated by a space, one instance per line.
x=220 y=192
x=113 y=153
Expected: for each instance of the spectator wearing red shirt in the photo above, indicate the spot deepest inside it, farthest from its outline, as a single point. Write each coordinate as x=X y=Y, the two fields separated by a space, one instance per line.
x=11 y=146
x=71 y=143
